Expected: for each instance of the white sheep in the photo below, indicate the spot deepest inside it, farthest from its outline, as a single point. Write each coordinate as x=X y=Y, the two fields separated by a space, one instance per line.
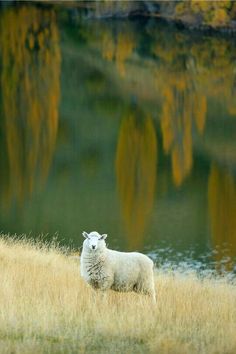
x=105 y=269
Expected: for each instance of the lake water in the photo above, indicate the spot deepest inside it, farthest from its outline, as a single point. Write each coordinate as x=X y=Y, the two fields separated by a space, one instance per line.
x=127 y=127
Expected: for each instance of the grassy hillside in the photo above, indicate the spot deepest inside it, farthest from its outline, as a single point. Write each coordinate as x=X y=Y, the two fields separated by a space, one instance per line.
x=45 y=307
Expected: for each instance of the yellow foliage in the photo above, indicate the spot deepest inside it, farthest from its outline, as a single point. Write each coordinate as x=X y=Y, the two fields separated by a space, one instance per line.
x=177 y=170
x=202 y=5
x=222 y=211
x=205 y=71
x=181 y=7
x=124 y=48
x=200 y=110
x=30 y=93
x=214 y=13
x=108 y=47
x=220 y=17
x=180 y=109
x=118 y=48
x=136 y=164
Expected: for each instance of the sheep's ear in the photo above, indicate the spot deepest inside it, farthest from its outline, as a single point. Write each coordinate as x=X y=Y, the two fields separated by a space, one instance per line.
x=103 y=237
x=85 y=234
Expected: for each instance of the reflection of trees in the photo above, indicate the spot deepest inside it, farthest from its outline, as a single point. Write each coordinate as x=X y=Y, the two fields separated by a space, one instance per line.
x=116 y=41
x=222 y=211
x=136 y=162
x=30 y=82
x=184 y=106
x=207 y=65
x=181 y=108
x=188 y=73
x=118 y=48
x=185 y=76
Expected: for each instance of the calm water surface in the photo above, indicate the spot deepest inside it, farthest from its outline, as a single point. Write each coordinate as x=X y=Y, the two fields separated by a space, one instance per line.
x=125 y=127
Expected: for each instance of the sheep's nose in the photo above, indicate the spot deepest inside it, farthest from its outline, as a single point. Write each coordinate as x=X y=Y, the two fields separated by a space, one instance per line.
x=93 y=247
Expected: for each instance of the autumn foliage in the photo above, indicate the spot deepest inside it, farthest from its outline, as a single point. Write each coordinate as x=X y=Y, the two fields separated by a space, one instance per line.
x=136 y=163
x=30 y=83
x=212 y=13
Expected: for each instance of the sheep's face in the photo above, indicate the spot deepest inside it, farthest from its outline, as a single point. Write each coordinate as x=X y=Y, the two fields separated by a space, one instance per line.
x=94 y=240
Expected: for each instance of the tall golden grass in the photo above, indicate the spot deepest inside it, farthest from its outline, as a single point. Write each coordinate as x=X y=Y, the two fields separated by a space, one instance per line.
x=45 y=307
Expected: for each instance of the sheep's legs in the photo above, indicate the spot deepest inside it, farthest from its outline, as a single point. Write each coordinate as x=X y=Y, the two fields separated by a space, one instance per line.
x=151 y=294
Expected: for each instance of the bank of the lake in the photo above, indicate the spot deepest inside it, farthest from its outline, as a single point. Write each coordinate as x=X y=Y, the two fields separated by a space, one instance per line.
x=45 y=307
x=198 y=15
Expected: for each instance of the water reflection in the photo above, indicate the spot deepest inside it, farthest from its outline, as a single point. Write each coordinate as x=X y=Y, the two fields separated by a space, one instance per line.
x=182 y=107
x=183 y=123
x=189 y=74
x=192 y=80
x=30 y=86
x=118 y=47
x=136 y=166
x=183 y=74
x=222 y=211
x=116 y=42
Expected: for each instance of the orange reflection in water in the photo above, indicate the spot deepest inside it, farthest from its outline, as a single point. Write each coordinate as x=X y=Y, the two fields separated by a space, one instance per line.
x=118 y=48
x=190 y=73
x=184 y=74
x=181 y=109
x=30 y=81
x=222 y=212
x=136 y=163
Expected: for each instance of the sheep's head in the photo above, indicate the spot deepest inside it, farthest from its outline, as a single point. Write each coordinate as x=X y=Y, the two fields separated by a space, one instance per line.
x=94 y=240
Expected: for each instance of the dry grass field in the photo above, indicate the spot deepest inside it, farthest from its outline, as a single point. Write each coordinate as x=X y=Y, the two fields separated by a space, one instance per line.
x=45 y=307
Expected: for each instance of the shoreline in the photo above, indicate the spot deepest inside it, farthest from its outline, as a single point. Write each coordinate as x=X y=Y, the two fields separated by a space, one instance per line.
x=105 y=11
